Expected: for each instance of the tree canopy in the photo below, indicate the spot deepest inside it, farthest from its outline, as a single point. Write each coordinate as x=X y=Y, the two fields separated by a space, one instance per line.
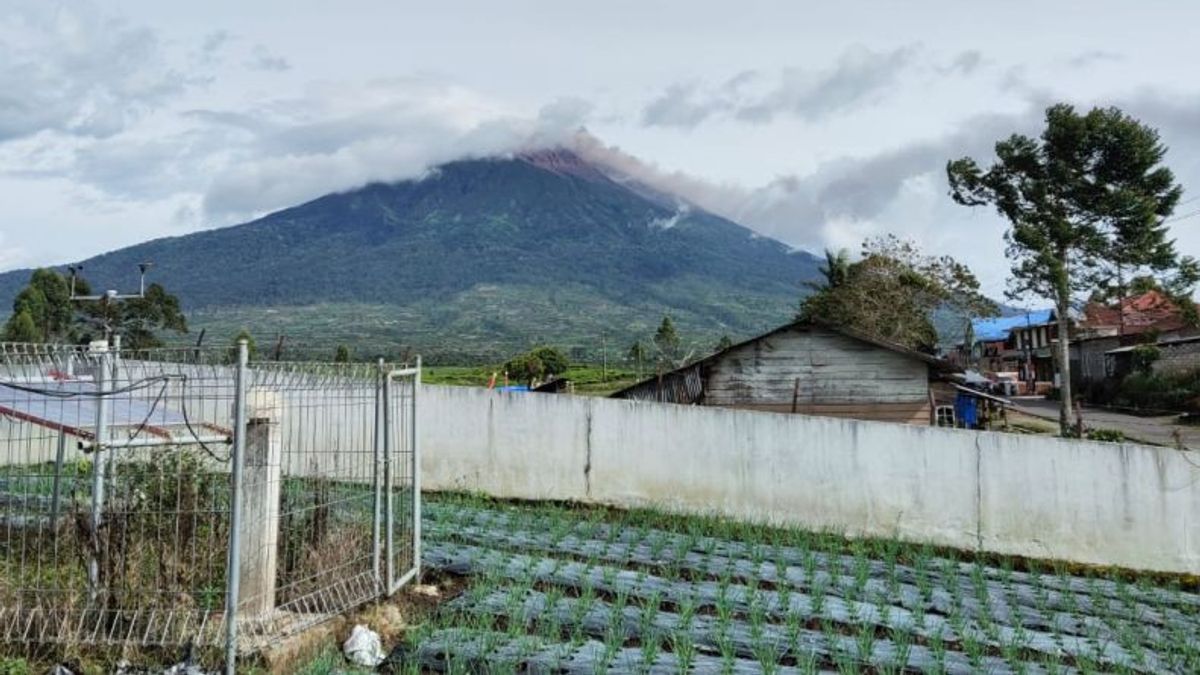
x=537 y=363
x=1087 y=204
x=667 y=345
x=892 y=291
x=251 y=346
x=44 y=312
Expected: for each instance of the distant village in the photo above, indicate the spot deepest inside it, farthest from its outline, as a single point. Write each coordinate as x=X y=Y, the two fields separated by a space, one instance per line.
x=813 y=367
x=1013 y=354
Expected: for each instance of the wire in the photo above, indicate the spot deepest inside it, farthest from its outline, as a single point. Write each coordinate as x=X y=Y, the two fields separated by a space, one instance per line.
x=1189 y=214
x=145 y=422
x=187 y=422
x=60 y=393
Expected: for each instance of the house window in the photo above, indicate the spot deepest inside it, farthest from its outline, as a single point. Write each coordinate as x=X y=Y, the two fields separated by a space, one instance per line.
x=944 y=415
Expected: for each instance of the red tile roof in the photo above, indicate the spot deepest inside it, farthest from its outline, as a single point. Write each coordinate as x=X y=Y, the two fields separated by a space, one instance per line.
x=1149 y=311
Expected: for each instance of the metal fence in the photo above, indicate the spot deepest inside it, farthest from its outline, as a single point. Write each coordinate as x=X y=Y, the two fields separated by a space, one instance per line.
x=185 y=497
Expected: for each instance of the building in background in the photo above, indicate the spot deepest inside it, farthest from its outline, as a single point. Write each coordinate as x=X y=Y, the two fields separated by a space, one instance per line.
x=810 y=368
x=1107 y=334
x=1017 y=347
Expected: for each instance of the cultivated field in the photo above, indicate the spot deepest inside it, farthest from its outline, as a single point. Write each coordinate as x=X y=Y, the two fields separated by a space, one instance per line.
x=559 y=590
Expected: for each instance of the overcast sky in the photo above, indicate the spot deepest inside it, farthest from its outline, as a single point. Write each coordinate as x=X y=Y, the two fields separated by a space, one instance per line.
x=815 y=123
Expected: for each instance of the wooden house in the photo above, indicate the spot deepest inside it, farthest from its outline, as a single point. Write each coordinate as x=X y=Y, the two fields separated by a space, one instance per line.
x=810 y=368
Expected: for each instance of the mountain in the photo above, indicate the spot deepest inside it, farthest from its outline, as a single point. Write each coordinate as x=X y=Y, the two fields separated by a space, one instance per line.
x=477 y=259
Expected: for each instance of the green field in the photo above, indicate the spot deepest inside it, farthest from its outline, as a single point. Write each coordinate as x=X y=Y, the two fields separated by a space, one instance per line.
x=558 y=588
x=552 y=588
x=588 y=379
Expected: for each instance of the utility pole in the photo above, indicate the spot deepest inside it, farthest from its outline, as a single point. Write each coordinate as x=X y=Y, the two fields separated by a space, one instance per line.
x=1030 y=375
x=604 y=357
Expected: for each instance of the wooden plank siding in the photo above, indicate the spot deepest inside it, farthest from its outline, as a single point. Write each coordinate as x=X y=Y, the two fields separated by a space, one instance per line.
x=901 y=413
x=832 y=370
x=803 y=368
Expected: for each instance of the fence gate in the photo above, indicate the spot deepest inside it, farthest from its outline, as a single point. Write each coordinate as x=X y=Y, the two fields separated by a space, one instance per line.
x=167 y=498
x=402 y=477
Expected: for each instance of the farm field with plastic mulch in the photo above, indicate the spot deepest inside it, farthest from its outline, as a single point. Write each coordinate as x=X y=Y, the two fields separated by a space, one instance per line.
x=557 y=589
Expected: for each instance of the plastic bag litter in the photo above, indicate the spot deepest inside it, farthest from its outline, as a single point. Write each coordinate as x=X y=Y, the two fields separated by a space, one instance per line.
x=363 y=647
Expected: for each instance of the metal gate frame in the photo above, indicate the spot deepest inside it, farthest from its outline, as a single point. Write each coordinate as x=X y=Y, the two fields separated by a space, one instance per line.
x=396 y=381
x=395 y=392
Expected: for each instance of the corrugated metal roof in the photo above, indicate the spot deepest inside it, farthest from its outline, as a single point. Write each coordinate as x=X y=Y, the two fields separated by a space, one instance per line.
x=998 y=328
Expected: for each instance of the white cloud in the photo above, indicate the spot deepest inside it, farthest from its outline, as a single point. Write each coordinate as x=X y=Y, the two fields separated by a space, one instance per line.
x=345 y=136
x=859 y=76
x=261 y=58
x=72 y=69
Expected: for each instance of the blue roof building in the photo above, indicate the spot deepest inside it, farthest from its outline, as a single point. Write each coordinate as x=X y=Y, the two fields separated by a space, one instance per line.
x=997 y=328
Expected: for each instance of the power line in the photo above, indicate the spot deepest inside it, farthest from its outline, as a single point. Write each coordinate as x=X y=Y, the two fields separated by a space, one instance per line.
x=1189 y=214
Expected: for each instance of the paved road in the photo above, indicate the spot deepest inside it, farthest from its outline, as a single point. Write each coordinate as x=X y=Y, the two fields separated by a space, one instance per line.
x=1158 y=430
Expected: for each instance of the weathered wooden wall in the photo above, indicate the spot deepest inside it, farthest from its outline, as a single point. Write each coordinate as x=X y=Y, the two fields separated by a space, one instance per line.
x=826 y=373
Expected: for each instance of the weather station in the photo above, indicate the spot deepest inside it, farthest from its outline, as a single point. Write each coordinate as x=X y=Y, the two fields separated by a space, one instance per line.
x=106 y=300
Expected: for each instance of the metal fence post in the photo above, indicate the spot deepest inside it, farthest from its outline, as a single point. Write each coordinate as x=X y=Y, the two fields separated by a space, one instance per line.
x=377 y=537
x=389 y=508
x=416 y=475
x=233 y=563
x=98 y=448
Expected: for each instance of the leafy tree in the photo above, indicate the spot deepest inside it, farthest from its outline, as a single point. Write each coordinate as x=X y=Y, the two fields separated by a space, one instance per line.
x=554 y=362
x=724 y=343
x=139 y=320
x=1087 y=203
x=342 y=355
x=637 y=354
x=47 y=303
x=892 y=292
x=1144 y=356
x=667 y=344
x=524 y=368
x=536 y=364
x=251 y=347
x=21 y=328
x=56 y=318
x=836 y=269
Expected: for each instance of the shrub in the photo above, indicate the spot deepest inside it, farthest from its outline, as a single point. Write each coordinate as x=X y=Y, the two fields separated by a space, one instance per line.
x=1108 y=435
x=1160 y=392
x=1143 y=358
x=536 y=364
x=14 y=666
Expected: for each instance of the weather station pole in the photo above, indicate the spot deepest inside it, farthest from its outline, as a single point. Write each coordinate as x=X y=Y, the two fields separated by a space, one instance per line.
x=106 y=375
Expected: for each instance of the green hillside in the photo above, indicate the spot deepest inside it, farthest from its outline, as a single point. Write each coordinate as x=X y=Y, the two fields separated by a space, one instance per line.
x=478 y=258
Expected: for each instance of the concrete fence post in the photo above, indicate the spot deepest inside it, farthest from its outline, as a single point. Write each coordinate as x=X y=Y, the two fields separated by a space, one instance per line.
x=262 y=480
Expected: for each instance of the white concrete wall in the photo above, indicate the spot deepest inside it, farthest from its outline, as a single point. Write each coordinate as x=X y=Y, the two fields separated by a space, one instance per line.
x=1100 y=503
